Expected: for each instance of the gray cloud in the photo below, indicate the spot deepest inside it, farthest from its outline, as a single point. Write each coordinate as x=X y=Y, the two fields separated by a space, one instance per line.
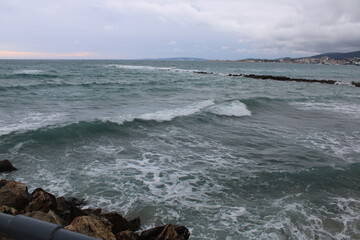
x=134 y=28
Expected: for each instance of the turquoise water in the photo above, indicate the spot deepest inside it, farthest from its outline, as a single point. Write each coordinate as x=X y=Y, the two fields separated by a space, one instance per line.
x=228 y=157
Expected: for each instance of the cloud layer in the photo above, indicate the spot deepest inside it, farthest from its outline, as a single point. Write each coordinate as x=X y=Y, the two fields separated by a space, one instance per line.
x=158 y=28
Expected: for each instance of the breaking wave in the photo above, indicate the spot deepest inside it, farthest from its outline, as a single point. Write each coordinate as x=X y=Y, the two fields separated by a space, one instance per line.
x=233 y=108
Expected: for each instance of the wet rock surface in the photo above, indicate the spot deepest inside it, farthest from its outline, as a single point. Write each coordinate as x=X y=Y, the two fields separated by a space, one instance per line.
x=6 y=166
x=15 y=199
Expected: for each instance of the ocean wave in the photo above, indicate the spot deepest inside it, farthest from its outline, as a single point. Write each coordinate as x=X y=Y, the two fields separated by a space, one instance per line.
x=168 y=115
x=151 y=68
x=44 y=122
x=31 y=121
x=233 y=108
x=29 y=71
x=350 y=109
x=31 y=74
x=60 y=84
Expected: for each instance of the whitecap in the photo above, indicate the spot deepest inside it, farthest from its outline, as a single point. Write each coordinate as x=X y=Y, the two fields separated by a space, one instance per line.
x=31 y=121
x=150 y=68
x=28 y=71
x=168 y=115
x=349 y=109
x=233 y=108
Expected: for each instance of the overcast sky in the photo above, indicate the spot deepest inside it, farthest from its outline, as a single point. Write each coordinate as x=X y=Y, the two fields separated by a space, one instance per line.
x=212 y=29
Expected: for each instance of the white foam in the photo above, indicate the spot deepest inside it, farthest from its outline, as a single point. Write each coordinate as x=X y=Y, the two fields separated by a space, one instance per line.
x=349 y=109
x=29 y=71
x=343 y=83
x=150 y=68
x=31 y=121
x=168 y=115
x=233 y=108
x=338 y=144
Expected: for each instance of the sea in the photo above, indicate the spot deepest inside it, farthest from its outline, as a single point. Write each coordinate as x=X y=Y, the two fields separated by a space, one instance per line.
x=228 y=157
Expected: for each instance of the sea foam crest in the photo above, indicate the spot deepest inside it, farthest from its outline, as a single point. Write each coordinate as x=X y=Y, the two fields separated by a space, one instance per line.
x=168 y=115
x=30 y=122
x=233 y=108
x=28 y=71
x=151 y=68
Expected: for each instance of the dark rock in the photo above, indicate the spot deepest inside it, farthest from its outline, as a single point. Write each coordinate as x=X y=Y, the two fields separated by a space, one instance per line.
x=282 y=78
x=6 y=166
x=69 y=209
x=127 y=235
x=134 y=224
x=3 y=182
x=14 y=194
x=356 y=84
x=167 y=232
x=8 y=210
x=201 y=72
x=49 y=216
x=41 y=201
x=92 y=212
x=119 y=222
x=92 y=227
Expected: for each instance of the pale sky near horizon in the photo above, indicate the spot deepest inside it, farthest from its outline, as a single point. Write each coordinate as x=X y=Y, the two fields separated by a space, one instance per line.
x=212 y=29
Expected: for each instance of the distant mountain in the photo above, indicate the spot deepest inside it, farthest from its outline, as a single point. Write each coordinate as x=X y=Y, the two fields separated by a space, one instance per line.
x=177 y=59
x=338 y=55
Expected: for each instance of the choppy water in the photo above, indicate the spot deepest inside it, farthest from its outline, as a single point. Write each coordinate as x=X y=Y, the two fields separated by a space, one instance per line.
x=230 y=158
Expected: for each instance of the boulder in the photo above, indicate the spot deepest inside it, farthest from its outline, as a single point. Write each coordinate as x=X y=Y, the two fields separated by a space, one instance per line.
x=167 y=232
x=69 y=209
x=92 y=227
x=119 y=223
x=6 y=166
x=8 y=210
x=127 y=235
x=41 y=201
x=14 y=194
x=49 y=216
x=92 y=212
x=134 y=224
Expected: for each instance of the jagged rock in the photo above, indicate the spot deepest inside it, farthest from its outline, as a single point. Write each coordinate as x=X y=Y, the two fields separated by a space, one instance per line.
x=167 y=232
x=119 y=223
x=69 y=209
x=14 y=194
x=49 y=216
x=92 y=212
x=8 y=210
x=134 y=224
x=41 y=201
x=92 y=227
x=127 y=235
x=6 y=166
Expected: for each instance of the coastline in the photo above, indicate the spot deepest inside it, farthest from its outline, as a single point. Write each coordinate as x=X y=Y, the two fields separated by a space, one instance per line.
x=69 y=214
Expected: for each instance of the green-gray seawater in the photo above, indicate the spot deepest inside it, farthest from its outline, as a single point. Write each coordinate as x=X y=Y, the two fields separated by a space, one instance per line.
x=228 y=157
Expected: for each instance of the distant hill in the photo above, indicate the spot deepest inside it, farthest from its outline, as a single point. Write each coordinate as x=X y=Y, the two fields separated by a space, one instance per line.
x=177 y=59
x=338 y=55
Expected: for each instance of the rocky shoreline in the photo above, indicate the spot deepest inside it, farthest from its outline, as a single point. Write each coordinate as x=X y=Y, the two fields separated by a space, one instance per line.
x=68 y=212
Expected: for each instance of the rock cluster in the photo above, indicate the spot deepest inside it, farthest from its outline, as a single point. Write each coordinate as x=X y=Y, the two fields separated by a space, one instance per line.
x=15 y=199
x=282 y=78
